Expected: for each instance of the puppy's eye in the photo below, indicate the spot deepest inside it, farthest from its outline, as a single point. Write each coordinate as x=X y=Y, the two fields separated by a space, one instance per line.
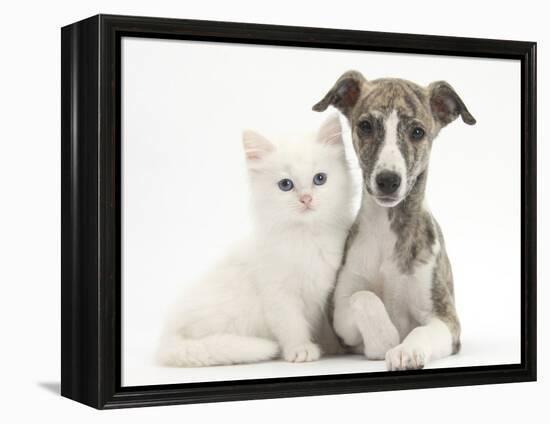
x=285 y=184
x=365 y=127
x=320 y=178
x=417 y=134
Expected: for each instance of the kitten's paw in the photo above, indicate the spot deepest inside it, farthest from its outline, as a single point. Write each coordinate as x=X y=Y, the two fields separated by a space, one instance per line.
x=405 y=357
x=302 y=353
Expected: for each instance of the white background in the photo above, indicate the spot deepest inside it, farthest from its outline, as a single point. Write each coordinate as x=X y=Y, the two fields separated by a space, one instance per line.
x=185 y=194
x=29 y=230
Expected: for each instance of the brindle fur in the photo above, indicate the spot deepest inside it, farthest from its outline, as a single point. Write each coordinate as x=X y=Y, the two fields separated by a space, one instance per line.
x=352 y=234
x=416 y=230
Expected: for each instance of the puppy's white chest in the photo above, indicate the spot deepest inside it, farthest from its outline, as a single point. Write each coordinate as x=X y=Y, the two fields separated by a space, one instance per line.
x=405 y=295
x=374 y=247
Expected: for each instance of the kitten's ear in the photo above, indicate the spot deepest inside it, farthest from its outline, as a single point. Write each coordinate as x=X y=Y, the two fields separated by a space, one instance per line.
x=331 y=131
x=256 y=146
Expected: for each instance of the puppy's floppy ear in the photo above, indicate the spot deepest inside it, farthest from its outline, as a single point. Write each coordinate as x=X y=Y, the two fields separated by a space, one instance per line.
x=344 y=94
x=446 y=105
x=330 y=132
x=255 y=145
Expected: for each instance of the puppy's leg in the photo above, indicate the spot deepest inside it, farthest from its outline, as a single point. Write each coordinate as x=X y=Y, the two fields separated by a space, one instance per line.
x=378 y=332
x=345 y=324
x=438 y=335
x=423 y=344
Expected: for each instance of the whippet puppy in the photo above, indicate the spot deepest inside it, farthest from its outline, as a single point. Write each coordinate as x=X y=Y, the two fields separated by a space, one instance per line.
x=394 y=296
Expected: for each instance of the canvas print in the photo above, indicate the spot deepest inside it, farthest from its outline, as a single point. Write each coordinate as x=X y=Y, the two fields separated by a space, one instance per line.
x=296 y=212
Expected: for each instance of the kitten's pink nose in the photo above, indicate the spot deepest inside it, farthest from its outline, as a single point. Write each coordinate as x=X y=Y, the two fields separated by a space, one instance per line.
x=306 y=199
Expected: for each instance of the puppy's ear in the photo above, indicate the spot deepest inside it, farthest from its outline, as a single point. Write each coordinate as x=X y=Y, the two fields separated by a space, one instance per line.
x=330 y=132
x=256 y=146
x=446 y=105
x=344 y=94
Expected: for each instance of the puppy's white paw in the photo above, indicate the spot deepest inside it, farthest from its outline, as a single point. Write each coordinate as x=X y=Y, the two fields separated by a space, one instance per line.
x=302 y=353
x=406 y=357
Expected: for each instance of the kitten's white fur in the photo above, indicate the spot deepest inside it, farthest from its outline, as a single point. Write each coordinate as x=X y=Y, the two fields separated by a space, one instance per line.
x=268 y=297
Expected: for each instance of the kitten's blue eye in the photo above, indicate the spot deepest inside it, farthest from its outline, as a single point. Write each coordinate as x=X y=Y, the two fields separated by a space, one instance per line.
x=285 y=184
x=320 y=178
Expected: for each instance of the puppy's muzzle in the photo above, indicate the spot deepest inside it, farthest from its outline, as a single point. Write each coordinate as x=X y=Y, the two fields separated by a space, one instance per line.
x=387 y=182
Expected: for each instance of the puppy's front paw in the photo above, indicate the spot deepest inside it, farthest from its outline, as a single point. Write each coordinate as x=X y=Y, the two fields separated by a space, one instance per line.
x=379 y=333
x=302 y=353
x=404 y=357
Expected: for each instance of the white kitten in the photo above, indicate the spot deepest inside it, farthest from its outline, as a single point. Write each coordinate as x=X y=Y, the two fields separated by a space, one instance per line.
x=269 y=296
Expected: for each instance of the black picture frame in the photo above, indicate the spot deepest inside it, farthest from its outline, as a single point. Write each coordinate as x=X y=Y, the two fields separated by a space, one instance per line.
x=91 y=210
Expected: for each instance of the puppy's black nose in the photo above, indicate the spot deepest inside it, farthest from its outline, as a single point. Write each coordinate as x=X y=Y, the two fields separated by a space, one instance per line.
x=388 y=182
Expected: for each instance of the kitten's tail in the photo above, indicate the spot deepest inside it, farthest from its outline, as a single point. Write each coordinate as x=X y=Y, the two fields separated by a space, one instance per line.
x=217 y=349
